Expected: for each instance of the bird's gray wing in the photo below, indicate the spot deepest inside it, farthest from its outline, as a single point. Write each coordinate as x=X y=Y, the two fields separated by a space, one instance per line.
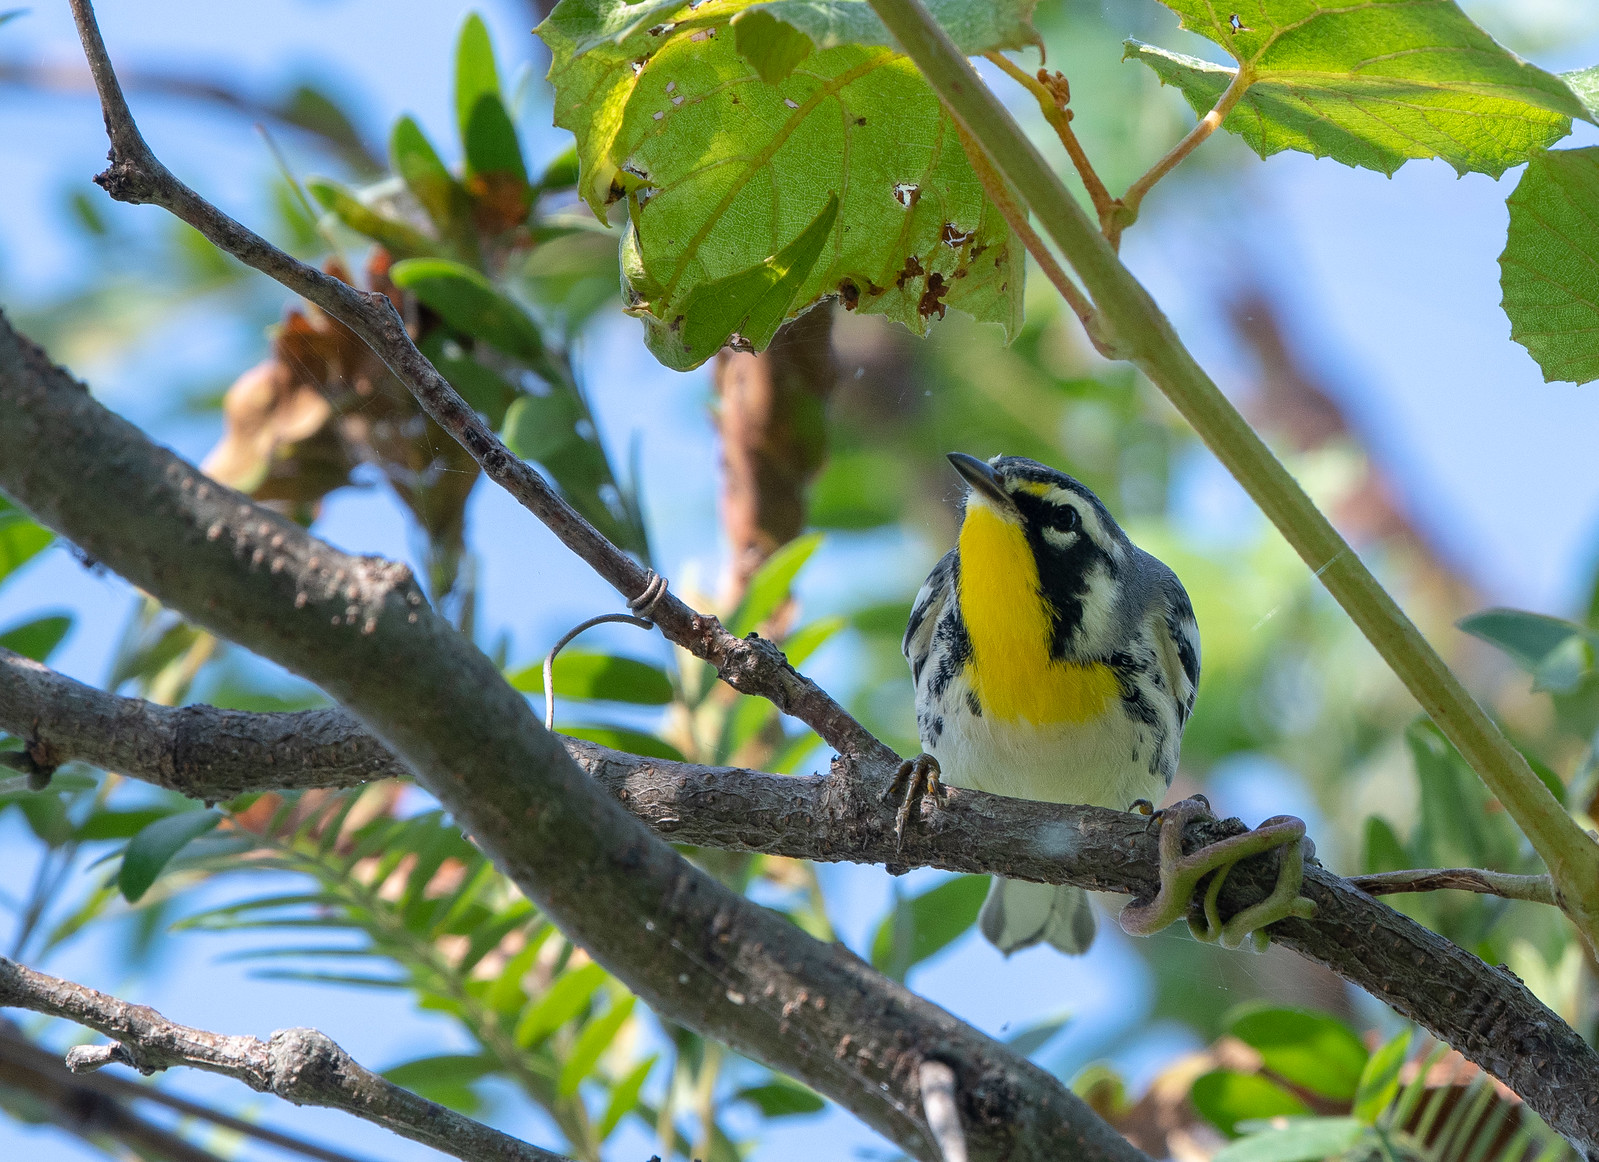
x=1176 y=637
x=930 y=601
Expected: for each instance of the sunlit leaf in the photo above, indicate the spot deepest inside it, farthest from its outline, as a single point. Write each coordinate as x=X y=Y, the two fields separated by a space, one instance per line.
x=595 y=1039
x=809 y=638
x=468 y=302
x=1225 y=1098
x=20 y=538
x=36 y=639
x=1312 y=1050
x=670 y=116
x=1379 y=1081
x=1370 y=83
x=771 y=584
x=564 y=999
x=149 y=852
x=1547 y=269
x=1302 y=1140
x=425 y=175
x=398 y=238
x=753 y=303
x=624 y=1097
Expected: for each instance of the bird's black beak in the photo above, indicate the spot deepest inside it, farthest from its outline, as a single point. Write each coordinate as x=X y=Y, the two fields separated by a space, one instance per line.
x=981 y=477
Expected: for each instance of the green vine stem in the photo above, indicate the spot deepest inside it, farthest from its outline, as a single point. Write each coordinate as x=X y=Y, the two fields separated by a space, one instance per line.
x=1140 y=330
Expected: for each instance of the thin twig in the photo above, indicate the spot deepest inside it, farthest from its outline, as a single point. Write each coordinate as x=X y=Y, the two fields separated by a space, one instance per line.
x=549 y=658
x=750 y=665
x=1016 y=218
x=1052 y=103
x=1536 y=889
x=942 y=1110
x=300 y=1065
x=1130 y=202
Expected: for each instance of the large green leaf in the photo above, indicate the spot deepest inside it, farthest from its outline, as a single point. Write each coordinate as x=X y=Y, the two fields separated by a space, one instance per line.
x=622 y=739
x=722 y=171
x=1311 y=1050
x=1370 y=83
x=1547 y=271
x=441 y=197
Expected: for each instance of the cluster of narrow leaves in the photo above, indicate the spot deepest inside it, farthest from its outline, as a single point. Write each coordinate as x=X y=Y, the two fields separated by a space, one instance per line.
x=770 y=155
x=1314 y=1090
x=495 y=285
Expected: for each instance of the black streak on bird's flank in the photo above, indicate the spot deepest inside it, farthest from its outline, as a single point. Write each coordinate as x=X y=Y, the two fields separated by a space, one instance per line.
x=973 y=704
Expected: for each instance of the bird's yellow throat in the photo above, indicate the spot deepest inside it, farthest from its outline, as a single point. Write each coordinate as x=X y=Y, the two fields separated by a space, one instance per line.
x=1009 y=623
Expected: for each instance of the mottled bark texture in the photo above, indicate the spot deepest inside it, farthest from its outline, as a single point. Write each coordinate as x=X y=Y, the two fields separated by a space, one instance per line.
x=771 y=414
x=299 y=1065
x=696 y=952
x=1483 y=1011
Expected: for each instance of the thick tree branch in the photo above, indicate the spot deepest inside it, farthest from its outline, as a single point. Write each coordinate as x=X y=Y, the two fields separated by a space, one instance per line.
x=696 y=952
x=1485 y=1012
x=299 y=1065
x=750 y=665
x=96 y=1102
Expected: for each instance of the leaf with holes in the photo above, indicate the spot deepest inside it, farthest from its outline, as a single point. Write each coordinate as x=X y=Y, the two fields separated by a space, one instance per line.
x=1547 y=270
x=1370 y=83
x=722 y=171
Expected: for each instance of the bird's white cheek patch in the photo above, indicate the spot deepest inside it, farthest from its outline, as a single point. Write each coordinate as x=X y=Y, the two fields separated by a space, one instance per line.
x=1094 y=631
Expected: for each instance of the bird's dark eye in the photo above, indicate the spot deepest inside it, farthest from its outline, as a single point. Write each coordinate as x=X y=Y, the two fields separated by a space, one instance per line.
x=1068 y=519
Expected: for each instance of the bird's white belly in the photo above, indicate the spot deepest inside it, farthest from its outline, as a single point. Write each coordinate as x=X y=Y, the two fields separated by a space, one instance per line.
x=1104 y=762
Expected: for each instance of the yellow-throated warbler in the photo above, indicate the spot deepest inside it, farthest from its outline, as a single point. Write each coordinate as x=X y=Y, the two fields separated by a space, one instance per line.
x=1053 y=660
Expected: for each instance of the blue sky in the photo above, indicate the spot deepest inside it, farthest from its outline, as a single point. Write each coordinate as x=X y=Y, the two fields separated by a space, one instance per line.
x=1391 y=285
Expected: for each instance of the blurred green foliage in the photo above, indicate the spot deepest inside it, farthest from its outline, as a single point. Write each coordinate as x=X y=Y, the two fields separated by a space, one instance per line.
x=502 y=276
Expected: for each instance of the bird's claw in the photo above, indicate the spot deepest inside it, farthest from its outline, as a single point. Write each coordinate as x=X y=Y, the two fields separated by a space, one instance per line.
x=918 y=778
x=1180 y=876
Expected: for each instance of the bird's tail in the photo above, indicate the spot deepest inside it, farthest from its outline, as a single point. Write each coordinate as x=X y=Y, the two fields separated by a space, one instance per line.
x=1019 y=914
